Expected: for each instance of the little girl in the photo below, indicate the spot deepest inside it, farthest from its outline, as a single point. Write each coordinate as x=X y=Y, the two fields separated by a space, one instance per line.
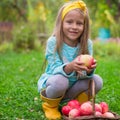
x=69 y=40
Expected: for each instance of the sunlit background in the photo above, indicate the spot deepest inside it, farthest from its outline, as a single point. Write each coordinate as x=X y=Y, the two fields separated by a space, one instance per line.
x=23 y=23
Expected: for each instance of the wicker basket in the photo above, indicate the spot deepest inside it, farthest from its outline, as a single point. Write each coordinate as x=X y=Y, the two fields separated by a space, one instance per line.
x=92 y=117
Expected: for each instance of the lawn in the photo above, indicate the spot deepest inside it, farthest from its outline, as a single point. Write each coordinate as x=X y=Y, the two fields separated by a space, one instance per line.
x=19 y=73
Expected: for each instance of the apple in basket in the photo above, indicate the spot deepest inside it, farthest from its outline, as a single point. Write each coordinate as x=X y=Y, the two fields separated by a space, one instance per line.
x=70 y=105
x=104 y=106
x=74 y=104
x=66 y=109
x=108 y=115
x=88 y=60
x=74 y=113
x=98 y=114
x=98 y=107
x=86 y=108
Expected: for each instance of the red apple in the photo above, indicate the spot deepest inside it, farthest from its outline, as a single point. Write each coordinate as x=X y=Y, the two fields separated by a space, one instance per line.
x=108 y=115
x=88 y=60
x=86 y=108
x=66 y=109
x=74 y=104
x=98 y=114
x=98 y=107
x=74 y=113
x=104 y=106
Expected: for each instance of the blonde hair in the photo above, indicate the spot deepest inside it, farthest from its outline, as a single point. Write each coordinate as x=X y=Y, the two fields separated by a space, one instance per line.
x=58 y=31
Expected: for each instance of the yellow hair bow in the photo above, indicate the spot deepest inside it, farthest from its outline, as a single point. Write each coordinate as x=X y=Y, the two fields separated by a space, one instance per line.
x=77 y=4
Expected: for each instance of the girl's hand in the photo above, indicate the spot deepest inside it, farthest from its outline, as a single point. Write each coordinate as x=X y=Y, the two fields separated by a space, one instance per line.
x=76 y=66
x=93 y=66
x=88 y=70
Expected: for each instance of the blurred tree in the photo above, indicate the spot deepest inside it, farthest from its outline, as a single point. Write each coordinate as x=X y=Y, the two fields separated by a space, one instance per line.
x=17 y=9
x=12 y=10
x=45 y=11
x=115 y=7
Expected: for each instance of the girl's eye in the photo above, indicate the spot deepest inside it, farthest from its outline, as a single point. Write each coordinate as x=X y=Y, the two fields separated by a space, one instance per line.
x=79 y=23
x=69 y=22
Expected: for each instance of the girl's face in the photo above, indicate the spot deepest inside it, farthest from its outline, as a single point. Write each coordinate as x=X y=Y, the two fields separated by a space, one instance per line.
x=73 y=25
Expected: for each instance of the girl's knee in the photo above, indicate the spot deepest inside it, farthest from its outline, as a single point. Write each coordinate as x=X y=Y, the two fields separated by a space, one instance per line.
x=98 y=82
x=57 y=84
x=61 y=82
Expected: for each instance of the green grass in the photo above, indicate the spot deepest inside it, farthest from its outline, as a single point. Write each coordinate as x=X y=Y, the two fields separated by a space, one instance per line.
x=109 y=69
x=19 y=73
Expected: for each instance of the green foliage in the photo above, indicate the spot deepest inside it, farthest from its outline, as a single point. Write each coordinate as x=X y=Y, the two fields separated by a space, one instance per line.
x=93 y=31
x=105 y=16
x=11 y=10
x=36 y=13
x=52 y=9
x=42 y=14
x=5 y=11
x=15 y=10
x=24 y=37
x=6 y=47
x=115 y=29
x=101 y=18
x=106 y=49
x=25 y=10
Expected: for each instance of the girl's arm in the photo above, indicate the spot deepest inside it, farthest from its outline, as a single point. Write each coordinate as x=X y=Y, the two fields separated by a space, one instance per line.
x=55 y=64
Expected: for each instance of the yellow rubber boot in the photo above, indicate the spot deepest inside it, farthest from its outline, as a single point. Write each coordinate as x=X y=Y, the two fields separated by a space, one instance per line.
x=83 y=97
x=50 y=107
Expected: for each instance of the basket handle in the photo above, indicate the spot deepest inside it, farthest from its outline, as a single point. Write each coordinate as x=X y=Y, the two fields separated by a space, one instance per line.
x=92 y=86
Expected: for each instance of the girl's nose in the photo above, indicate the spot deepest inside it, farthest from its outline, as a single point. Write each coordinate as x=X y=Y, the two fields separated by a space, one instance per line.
x=74 y=26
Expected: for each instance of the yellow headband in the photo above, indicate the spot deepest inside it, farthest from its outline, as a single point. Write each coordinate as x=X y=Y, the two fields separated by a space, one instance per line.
x=77 y=4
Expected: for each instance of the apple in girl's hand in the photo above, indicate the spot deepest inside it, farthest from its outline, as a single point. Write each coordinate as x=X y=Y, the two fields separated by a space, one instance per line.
x=66 y=109
x=108 y=115
x=104 y=106
x=88 y=60
x=86 y=108
x=98 y=107
x=74 y=113
x=73 y=104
